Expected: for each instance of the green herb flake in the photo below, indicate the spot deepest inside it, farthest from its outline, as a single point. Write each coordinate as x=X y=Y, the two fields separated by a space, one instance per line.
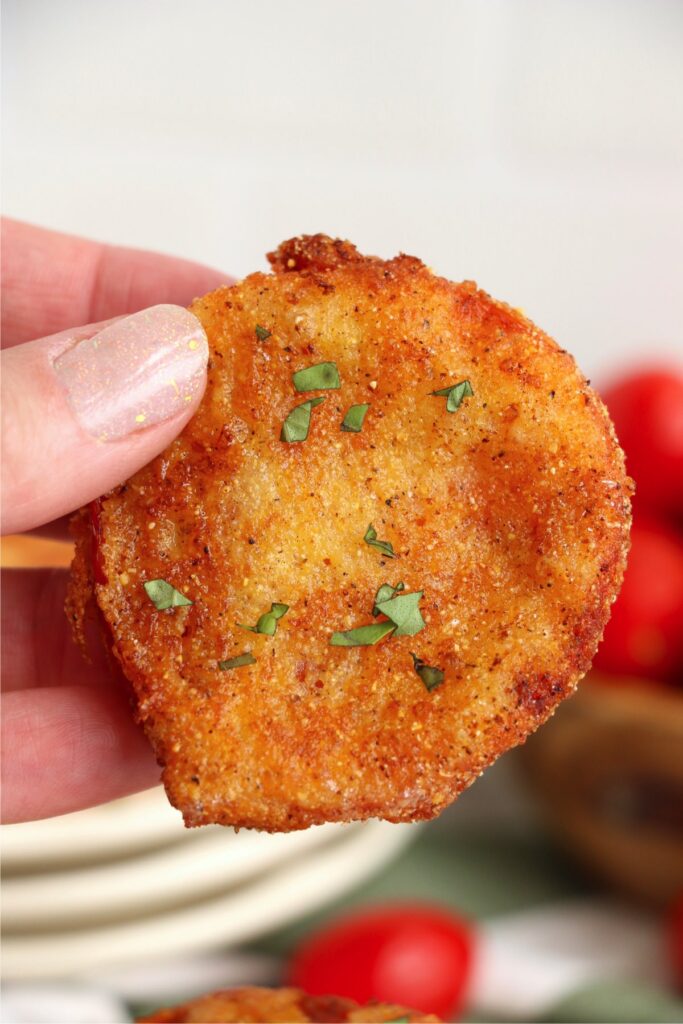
x=404 y=613
x=429 y=674
x=241 y=659
x=262 y=332
x=353 y=421
x=267 y=623
x=163 y=595
x=320 y=377
x=382 y=545
x=363 y=636
x=298 y=422
x=399 y=1020
x=455 y=394
x=385 y=593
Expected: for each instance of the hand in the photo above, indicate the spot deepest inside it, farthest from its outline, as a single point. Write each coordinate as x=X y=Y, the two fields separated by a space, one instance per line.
x=82 y=410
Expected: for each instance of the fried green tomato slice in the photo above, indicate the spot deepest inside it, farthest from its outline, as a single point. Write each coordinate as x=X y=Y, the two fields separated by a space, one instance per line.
x=484 y=476
x=281 y=1004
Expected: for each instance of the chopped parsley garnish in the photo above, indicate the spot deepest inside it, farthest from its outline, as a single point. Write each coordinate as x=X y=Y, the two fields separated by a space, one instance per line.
x=353 y=421
x=404 y=613
x=262 y=332
x=163 y=595
x=385 y=593
x=383 y=545
x=241 y=659
x=455 y=394
x=429 y=674
x=399 y=1020
x=363 y=636
x=267 y=622
x=298 y=422
x=320 y=377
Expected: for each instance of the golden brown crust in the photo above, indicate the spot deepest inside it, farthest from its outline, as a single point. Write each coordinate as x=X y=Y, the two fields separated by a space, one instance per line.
x=512 y=515
x=248 y=1005
x=314 y=254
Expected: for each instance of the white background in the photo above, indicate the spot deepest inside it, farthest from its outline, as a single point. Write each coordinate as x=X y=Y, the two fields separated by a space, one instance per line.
x=534 y=145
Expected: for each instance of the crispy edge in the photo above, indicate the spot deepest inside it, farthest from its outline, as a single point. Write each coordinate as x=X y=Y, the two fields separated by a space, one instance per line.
x=80 y=589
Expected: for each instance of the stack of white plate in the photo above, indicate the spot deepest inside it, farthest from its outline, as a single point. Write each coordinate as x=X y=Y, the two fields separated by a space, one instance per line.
x=123 y=882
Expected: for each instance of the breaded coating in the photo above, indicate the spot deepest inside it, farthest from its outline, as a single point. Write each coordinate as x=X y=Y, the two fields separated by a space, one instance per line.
x=509 y=513
x=246 y=1005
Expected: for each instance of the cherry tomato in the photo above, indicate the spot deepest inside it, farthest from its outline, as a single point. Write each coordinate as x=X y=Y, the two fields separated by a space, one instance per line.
x=675 y=940
x=647 y=410
x=644 y=636
x=414 y=955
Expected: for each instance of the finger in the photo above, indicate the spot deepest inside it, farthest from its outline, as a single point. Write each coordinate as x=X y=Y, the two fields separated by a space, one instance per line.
x=57 y=530
x=84 y=409
x=51 y=281
x=67 y=748
x=68 y=735
x=37 y=647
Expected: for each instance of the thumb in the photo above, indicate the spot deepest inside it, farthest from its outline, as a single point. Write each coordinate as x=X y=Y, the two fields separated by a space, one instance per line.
x=84 y=409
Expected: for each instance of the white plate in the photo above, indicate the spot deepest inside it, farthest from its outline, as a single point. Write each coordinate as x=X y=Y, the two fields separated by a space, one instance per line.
x=111 y=830
x=214 y=860
x=282 y=895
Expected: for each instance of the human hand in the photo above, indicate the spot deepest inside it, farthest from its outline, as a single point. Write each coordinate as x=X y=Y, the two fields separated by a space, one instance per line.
x=82 y=410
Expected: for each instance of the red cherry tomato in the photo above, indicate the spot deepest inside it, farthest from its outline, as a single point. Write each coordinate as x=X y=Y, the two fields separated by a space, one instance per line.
x=644 y=636
x=675 y=941
x=414 y=955
x=647 y=410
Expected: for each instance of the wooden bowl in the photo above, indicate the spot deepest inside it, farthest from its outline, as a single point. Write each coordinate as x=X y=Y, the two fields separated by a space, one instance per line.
x=608 y=773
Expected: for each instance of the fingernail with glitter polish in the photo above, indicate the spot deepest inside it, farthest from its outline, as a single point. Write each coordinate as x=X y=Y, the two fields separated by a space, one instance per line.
x=141 y=370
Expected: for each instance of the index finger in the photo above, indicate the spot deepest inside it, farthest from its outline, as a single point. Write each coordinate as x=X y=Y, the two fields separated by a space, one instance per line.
x=52 y=282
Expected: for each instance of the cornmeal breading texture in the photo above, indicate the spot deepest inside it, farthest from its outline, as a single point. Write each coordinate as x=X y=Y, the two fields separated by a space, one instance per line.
x=247 y=1005
x=510 y=514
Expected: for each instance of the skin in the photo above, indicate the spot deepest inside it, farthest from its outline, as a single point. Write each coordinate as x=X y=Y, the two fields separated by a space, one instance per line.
x=511 y=514
x=68 y=738
x=282 y=1004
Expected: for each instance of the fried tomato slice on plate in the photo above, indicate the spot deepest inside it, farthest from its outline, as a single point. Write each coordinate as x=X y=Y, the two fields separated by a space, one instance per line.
x=281 y=1004
x=381 y=553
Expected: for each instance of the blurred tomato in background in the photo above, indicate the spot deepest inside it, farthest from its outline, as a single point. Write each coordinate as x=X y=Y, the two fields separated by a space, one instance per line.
x=411 y=954
x=645 y=634
x=676 y=941
x=647 y=411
